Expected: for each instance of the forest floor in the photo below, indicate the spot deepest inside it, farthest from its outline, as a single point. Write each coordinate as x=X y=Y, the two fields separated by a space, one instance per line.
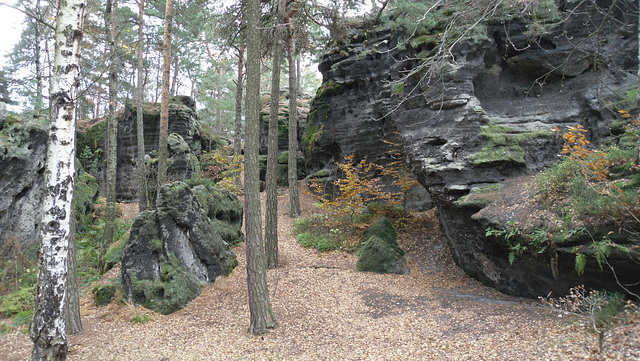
x=327 y=310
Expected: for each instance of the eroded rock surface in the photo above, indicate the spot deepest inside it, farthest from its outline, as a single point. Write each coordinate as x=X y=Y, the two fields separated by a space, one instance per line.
x=481 y=118
x=21 y=185
x=172 y=251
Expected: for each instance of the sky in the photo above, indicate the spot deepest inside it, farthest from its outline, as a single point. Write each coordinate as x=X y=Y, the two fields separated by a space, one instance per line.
x=10 y=25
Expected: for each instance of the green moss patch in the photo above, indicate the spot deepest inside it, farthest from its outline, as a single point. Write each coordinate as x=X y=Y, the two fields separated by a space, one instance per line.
x=503 y=146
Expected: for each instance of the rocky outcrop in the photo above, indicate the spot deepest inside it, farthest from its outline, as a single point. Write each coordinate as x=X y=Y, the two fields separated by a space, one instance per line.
x=23 y=150
x=224 y=210
x=22 y=159
x=184 y=144
x=480 y=118
x=174 y=249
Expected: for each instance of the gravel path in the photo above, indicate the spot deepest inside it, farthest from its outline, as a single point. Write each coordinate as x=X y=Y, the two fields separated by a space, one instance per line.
x=328 y=311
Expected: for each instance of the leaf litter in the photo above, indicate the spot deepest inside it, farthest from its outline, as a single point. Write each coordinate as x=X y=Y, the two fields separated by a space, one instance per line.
x=327 y=310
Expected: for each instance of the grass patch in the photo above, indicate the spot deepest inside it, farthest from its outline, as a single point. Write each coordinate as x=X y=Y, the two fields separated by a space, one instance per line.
x=322 y=243
x=568 y=188
x=19 y=301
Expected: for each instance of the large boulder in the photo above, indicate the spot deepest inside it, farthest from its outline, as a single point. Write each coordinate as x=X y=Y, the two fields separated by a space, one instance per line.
x=482 y=119
x=172 y=251
x=381 y=253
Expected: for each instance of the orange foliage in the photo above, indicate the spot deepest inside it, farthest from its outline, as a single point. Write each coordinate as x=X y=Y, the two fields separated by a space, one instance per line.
x=356 y=188
x=594 y=162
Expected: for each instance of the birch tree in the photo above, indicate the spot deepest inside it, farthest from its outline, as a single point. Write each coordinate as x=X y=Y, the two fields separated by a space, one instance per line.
x=47 y=329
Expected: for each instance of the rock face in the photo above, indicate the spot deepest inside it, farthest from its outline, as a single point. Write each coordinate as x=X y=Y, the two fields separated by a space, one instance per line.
x=184 y=144
x=482 y=118
x=22 y=159
x=22 y=163
x=173 y=250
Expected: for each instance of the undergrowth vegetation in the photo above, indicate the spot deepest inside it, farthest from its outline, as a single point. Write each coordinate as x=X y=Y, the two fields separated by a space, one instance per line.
x=599 y=311
x=596 y=189
x=594 y=199
x=358 y=200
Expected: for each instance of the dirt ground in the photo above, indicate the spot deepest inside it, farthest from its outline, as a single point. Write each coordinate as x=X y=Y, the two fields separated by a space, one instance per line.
x=327 y=310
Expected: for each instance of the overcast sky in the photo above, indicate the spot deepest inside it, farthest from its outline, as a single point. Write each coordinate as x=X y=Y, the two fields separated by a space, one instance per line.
x=10 y=24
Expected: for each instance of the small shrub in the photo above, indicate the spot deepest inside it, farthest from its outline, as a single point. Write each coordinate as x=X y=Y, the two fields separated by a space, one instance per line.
x=304 y=224
x=22 y=318
x=18 y=301
x=521 y=243
x=322 y=243
x=5 y=328
x=104 y=294
x=141 y=319
x=358 y=186
x=603 y=310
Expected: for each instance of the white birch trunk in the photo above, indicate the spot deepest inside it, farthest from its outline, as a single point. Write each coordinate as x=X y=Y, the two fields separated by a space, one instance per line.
x=48 y=326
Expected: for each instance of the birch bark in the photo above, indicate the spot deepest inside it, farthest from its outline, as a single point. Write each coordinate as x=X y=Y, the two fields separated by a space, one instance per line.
x=48 y=326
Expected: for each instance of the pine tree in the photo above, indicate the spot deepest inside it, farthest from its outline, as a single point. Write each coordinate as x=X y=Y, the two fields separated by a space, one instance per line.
x=261 y=315
x=164 y=103
x=271 y=224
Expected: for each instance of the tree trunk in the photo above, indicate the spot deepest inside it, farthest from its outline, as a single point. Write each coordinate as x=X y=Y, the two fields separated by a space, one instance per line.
x=110 y=19
x=142 y=168
x=271 y=226
x=48 y=325
x=74 y=322
x=39 y=103
x=219 y=118
x=237 y=137
x=261 y=315
x=164 y=103
x=294 y=196
x=174 y=81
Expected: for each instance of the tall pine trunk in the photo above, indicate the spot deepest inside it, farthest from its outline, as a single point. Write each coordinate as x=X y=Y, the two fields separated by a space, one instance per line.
x=294 y=196
x=39 y=103
x=237 y=137
x=110 y=20
x=271 y=224
x=48 y=327
x=142 y=168
x=164 y=102
x=261 y=315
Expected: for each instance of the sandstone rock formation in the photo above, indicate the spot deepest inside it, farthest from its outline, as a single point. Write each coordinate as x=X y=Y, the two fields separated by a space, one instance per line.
x=174 y=249
x=482 y=117
x=22 y=157
x=184 y=145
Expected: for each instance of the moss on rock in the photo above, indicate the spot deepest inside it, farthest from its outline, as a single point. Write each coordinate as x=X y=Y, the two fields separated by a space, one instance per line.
x=378 y=256
x=172 y=291
x=503 y=145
